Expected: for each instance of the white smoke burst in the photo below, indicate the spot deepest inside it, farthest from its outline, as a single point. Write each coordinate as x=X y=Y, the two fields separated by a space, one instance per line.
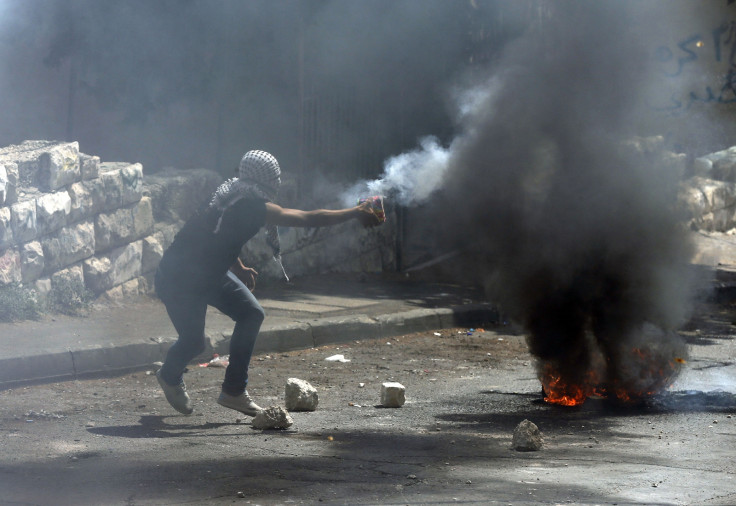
x=412 y=177
x=409 y=178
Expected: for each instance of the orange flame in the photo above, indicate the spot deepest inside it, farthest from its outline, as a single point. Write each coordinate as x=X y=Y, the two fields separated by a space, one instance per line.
x=642 y=377
x=559 y=391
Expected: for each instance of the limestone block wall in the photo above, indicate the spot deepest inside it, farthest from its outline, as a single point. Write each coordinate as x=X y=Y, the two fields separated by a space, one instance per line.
x=65 y=213
x=710 y=194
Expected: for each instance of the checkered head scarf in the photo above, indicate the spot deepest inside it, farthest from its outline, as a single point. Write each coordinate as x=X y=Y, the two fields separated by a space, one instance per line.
x=259 y=176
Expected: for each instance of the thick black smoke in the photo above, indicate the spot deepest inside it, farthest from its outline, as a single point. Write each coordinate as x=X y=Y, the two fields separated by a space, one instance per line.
x=573 y=229
x=565 y=213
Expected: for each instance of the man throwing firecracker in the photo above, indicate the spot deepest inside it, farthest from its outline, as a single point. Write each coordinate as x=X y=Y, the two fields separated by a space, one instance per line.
x=202 y=267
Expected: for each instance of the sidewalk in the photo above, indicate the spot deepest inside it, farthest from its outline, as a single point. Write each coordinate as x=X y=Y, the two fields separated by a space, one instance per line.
x=308 y=312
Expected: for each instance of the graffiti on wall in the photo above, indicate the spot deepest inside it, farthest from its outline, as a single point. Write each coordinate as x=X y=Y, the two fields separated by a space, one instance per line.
x=716 y=50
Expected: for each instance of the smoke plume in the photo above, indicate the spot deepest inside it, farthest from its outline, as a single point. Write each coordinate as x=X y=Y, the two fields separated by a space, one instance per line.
x=570 y=222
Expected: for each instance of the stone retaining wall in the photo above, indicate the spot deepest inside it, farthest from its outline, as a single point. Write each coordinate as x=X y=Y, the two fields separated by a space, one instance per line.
x=65 y=213
x=710 y=194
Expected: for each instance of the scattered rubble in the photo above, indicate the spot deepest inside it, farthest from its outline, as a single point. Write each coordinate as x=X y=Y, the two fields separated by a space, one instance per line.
x=42 y=415
x=217 y=361
x=527 y=437
x=273 y=417
x=392 y=394
x=337 y=358
x=300 y=395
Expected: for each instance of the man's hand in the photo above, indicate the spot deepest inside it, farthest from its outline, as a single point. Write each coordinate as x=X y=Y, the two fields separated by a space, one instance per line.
x=367 y=217
x=245 y=274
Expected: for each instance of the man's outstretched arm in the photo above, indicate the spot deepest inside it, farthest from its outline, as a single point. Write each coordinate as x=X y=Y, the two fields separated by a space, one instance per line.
x=285 y=217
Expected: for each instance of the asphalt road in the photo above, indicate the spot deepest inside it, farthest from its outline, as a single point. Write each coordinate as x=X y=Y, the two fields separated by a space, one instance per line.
x=115 y=440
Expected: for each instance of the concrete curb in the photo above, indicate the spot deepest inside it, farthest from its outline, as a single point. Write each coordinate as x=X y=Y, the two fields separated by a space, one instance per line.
x=102 y=360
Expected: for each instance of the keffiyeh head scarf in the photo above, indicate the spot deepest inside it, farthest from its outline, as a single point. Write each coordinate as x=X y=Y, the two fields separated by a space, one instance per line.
x=259 y=176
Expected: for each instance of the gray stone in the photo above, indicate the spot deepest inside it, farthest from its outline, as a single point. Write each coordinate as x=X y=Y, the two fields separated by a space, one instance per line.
x=70 y=245
x=6 y=229
x=59 y=166
x=527 y=437
x=26 y=157
x=10 y=270
x=31 y=260
x=273 y=417
x=124 y=291
x=8 y=183
x=73 y=273
x=23 y=220
x=123 y=226
x=114 y=294
x=87 y=199
x=142 y=213
x=122 y=264
x=153 y=251
x=300 y=395
x=90 y=166
x=711 y=203
x=144 y=286
x=131 y=288
x=112 y=183
x=393 y=394
x=132 y=179
x=52 y=210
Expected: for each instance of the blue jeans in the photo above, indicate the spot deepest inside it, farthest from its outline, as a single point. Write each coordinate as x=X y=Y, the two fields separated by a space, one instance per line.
x=187 y=310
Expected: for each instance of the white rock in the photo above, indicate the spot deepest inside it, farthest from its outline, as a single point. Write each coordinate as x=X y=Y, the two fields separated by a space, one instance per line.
x=527 y=437
x=273 y=417
x=300 y=395
x=337 y=358
x=31 y=260
x=52 y=210
x=8 y=183
x=153 y=251
x=59 y=166
x=393 y=394
x=23 y=220
x=6 y=229
x=132 y=178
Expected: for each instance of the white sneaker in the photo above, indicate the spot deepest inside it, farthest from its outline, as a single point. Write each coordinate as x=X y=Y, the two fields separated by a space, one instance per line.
x=242 y=403
x=176 y=395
